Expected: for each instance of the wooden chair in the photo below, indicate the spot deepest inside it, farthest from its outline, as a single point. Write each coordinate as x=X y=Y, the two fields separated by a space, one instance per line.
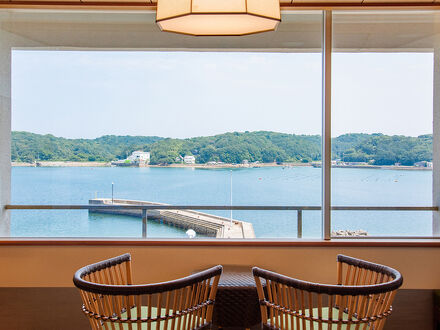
x=112 y=302
x=361 y=299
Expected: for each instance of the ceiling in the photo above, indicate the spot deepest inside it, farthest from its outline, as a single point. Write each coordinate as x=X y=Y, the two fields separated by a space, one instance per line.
x=286 y=4
x=299 y=31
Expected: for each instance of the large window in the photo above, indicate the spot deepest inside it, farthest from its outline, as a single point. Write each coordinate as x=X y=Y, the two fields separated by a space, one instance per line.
x=382 y=122
x=124 y=122
x=220 y=128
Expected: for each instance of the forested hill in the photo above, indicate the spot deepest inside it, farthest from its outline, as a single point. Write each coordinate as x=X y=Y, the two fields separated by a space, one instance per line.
x=29 y=147
x=235 y=147
x=262 y=146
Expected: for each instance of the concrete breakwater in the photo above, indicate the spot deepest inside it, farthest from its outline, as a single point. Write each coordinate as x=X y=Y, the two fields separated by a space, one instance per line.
x=202 y=223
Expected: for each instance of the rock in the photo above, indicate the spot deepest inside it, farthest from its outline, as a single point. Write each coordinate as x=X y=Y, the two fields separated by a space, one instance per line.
x=350 y=233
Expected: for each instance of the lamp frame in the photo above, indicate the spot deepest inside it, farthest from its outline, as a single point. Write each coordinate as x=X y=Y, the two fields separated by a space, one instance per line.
x=191 y=13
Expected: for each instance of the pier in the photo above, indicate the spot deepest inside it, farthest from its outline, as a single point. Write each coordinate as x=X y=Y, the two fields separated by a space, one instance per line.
x=202 y=223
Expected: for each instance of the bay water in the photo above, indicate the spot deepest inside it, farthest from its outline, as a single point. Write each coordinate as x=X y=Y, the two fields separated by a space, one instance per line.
x=300 y=186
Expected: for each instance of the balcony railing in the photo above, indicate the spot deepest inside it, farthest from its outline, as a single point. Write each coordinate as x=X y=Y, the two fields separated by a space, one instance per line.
x=299 y=210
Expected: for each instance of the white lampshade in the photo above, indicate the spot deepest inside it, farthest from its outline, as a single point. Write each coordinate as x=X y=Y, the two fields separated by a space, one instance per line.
x=218 y=17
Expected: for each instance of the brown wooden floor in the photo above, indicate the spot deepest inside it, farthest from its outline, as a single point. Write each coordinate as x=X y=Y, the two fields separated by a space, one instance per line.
x=59 y=308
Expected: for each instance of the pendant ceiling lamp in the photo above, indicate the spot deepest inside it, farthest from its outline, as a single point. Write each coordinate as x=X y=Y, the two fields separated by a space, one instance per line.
x=218 y=17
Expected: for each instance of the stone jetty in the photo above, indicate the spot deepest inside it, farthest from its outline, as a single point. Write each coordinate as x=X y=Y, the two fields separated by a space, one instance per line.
x=202 y=223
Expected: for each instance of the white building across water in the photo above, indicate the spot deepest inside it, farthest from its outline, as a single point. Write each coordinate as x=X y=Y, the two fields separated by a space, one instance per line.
x=139 y=156
x=189 y=160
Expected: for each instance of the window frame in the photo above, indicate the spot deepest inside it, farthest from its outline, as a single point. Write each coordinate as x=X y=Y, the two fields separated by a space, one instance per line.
x=326 y=205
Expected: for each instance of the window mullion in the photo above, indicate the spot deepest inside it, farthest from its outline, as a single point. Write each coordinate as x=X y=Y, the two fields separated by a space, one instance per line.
x=326 y=123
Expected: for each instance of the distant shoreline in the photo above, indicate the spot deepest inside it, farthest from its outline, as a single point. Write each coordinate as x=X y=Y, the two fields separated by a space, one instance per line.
x=61 y=164
x=219 y=166
x=383 y=167
x=108 y=164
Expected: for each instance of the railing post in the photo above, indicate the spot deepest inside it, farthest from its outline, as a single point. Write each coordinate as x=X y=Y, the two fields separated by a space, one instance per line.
x=299 y=219
x=144 y=223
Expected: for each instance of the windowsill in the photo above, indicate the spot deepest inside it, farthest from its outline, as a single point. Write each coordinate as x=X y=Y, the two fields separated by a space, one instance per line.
x=429 y=242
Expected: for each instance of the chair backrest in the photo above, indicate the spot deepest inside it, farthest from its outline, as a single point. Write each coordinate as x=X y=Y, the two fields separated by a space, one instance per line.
x=111 y=300
x=361 y=299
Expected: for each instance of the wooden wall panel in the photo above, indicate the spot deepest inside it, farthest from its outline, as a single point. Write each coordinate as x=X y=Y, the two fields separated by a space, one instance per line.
x=412 y=310
x=59 y=308
x=54 y=266
x=397 y=1
x=122 y=2
x=41 y=308
x=302 y=2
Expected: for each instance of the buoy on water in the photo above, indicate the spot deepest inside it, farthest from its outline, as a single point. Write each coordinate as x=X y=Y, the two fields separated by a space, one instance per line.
x=191 y=233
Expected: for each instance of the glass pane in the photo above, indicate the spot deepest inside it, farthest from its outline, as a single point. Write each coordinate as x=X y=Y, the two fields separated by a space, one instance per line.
x=230 y=121
x=382 y=114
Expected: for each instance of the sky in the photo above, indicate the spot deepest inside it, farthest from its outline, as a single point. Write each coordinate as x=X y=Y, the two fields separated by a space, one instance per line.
x=87 y=94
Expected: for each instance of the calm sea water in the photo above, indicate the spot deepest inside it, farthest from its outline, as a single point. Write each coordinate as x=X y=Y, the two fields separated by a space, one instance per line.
x=255 y=186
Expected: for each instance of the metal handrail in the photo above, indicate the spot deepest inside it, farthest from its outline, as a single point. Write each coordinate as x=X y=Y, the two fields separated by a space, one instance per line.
x=144 y=208
x=218 y=207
